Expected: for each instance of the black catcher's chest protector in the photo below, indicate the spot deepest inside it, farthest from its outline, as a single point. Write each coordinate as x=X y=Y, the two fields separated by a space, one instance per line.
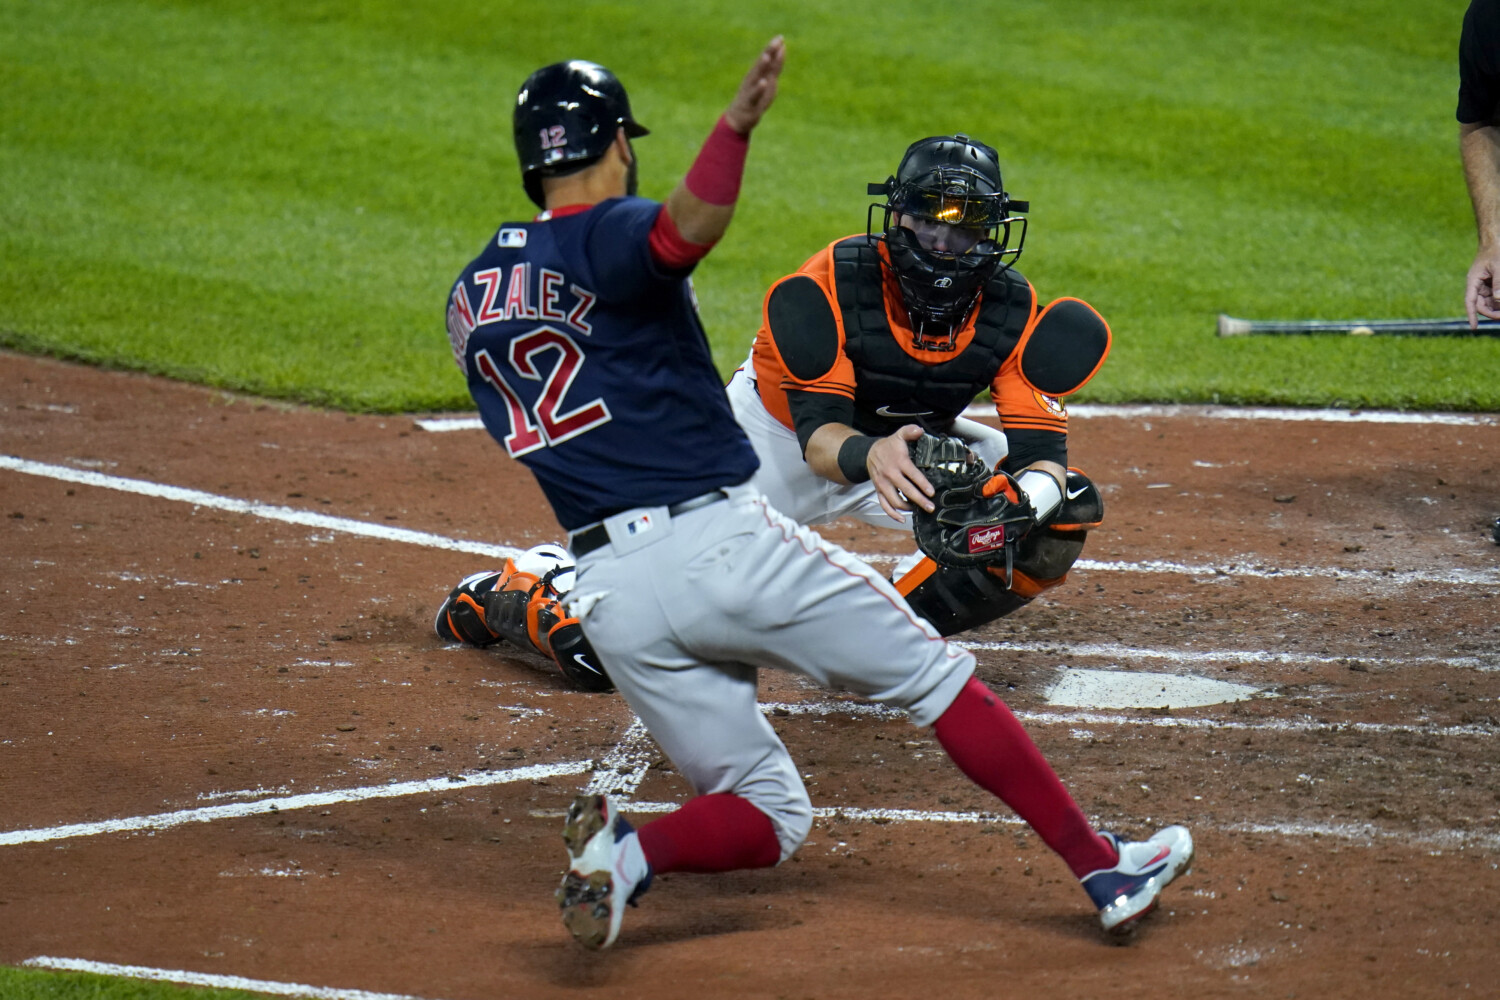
x=893 y=388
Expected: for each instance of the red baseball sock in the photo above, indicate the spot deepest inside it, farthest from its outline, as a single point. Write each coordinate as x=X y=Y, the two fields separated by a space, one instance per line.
x=711 y=833
x=989 y=745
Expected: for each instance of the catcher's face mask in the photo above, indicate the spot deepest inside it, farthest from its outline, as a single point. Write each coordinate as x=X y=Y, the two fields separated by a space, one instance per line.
x=947 y=228
x=941 y=236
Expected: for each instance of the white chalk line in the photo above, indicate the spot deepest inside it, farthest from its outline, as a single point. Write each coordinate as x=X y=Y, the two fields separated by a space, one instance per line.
x=1483 y=577
x=209 y=980
x=636 y=755
x=1204 y=412
x=292 y=515
x=1088 y=411
x=1368 y=833
x=270 y=512
x=635 y=773
x=1230 y=570
x=326 y=522
x=1295 y=726
x=624 y=767
x=1113 y=651
x=288 y=803
x=1277 y=725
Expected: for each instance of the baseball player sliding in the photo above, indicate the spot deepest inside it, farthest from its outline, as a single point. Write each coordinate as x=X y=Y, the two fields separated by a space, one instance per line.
x=579 y=336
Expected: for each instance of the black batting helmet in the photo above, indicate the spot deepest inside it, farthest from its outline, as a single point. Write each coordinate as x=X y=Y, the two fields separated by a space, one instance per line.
x=565 y=118
x=951 y=184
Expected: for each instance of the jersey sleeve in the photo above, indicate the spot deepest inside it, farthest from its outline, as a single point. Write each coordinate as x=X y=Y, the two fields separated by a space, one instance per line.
x=618 y=247
x=1035 y=424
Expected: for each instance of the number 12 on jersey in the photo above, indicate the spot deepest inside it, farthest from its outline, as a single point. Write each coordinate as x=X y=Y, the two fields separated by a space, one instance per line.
x=544 y=424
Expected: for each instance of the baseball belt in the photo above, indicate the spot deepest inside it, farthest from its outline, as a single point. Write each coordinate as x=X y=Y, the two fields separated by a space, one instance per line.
x=589 y=539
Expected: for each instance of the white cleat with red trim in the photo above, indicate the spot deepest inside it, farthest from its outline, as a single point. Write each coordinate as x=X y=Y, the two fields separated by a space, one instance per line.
x=599 y=883
x=1130 y=889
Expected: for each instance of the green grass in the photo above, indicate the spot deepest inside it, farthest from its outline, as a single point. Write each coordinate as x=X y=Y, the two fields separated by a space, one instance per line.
x=33 y=984
x=274 y=196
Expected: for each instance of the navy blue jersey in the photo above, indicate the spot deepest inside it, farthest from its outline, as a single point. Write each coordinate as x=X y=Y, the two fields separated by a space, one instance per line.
x=589 y=364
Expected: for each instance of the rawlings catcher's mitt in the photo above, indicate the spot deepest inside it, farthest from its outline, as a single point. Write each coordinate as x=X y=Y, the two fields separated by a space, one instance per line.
x=979 y=516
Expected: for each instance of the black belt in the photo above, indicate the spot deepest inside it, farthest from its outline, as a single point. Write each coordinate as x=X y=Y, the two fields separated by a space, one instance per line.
x=596 y=537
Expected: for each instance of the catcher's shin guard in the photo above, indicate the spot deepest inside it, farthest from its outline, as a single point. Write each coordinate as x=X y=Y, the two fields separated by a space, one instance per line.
x=576 y=658
x=955 y=599
x=526 y=612
x=461 y=618
x=1082 y=507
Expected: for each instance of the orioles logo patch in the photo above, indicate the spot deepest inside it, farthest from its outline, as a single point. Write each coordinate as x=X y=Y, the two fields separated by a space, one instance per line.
x=986 y=539
x=1052 y=404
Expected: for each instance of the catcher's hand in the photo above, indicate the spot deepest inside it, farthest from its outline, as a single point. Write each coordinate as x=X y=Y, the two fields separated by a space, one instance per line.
x=979 y=517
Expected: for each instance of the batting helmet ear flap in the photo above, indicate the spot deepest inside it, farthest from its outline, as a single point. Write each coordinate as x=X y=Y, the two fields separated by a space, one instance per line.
x=1063 y=348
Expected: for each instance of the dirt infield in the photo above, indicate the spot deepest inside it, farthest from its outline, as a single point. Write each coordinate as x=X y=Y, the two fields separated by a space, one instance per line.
x=378 y=811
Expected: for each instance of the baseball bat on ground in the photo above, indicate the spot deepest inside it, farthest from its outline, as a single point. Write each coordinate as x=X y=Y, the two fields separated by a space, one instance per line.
x=1229 y=326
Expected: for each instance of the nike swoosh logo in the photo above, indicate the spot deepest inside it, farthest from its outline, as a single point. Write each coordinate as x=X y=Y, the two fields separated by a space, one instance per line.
x=585 y=664
x=886 y=411
x=1075 y=494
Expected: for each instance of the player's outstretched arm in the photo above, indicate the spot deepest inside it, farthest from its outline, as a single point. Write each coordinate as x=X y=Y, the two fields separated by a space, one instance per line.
x=698 y=210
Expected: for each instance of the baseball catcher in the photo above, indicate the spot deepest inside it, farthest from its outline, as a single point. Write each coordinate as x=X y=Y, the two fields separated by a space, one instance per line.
x=881 y=340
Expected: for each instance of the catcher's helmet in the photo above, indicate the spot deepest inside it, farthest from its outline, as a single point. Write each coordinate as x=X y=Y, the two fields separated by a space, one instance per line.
x=565 y=118
x=951 y=186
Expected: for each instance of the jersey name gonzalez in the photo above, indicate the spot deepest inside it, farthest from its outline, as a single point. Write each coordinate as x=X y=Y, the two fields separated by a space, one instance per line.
x=551 y=419
x=522 y=298
x=589 y=364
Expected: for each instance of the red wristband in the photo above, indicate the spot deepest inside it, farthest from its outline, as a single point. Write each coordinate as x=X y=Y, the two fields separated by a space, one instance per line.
x=715 y=174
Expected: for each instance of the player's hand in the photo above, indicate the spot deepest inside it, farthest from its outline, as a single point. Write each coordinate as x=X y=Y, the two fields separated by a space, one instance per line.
x=1479 y=296
x=898 y=483
x=758 y=89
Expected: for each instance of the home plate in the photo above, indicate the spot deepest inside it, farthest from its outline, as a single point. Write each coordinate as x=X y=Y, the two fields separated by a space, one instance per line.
x=1133 y=689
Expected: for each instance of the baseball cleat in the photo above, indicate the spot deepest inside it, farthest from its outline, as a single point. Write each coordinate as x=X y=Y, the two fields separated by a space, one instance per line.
x=595 y=890
x=1130 y=889
x=461 y=616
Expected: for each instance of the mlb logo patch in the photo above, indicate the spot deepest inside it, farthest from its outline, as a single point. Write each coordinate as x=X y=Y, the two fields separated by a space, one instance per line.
x=986 y=539
x=511 y=238
x=640 y=525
